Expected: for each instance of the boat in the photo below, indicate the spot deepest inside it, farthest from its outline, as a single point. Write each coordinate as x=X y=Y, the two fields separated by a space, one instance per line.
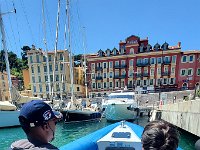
x=117 y=136
x=8 y=112
x=74 y=112
x=120 y=105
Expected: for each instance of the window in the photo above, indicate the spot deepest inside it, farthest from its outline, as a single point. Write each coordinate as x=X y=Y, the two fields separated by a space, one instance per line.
x=165 y=81
x=159 y=81
x=145 y=82
x=104 y=84
x=32 y=69
x=152 y=60
x=2 y=77
x=46 y=78
x=50 y=68
x=122 y=84
x=99 y=85
x=131 y=62
x=152 y=72
x=93 y=85
x=167 y=58
x=61 y=56
x=138 y=82
x=146 y=61
x=111 y=75
x=130 y=73
x=93 y=76
x=40 y=86
x=191 y=58
x=78 y=88
x=44 y=59
x=172 y=81
x=173 y=70
x=116 y=63
x=111 y=64
x=123 y=62
x=145 y=70
x=132 y=51
x=159 y=60
x=139 y=61
x=33 y=79
x=45 y=68
x=166 y=69
x=104 y=65
x=104 y=75
x=123 y=73
x=151 y=82
x=57 y=77
x=51 y=78
x=31 y=59
x=159 y=71
x=34 y=88
x=190 y=72
x=56 y=68
x=47 y=87
x=57 y=87
x=198 y=71
x=39 y=79
x=110 y=84
x=38 y=68
x=61 y=67
x=184 y=59
x=183 y=72
x=49 y=57
x=38 y=58
x=116 y=84
x=63 y=86
x=174 y=59
x=92 y=66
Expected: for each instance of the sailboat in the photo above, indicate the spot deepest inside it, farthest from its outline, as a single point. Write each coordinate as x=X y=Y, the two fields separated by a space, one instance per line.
x=8 y=112
x=73 y=113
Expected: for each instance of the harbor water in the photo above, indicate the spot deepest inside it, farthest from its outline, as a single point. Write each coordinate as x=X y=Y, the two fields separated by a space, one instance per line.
x=66 y=133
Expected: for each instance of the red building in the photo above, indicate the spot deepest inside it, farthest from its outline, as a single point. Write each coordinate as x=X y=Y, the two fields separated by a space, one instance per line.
x=137 y=65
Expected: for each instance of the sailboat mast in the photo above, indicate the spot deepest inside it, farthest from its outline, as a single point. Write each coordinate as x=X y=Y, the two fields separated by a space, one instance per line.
x=46 y=55
x=56 y=45
x=85 y=69
x=70 y=55
x=6 y=54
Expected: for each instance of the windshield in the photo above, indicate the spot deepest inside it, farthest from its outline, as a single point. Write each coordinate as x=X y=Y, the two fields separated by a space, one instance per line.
x=132 y=97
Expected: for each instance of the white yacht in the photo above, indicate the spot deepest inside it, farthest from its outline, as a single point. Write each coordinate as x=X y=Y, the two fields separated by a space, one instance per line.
x=120 y=105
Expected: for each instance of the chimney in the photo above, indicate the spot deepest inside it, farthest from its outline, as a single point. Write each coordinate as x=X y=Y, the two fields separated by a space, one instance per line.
x=179 y=44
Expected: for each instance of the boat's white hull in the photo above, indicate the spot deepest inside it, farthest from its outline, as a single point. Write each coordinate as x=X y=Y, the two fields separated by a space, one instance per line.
x=117 y=112
x=9 y=119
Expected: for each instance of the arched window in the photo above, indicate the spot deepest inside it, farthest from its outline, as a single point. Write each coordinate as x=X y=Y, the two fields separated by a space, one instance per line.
x=132 y=51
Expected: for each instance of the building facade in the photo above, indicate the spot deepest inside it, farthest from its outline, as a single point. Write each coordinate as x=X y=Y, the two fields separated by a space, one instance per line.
x=59 y=81
x=136 y=65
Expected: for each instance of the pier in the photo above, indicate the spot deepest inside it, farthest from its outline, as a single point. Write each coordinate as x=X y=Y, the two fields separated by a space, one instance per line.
x=185 y=115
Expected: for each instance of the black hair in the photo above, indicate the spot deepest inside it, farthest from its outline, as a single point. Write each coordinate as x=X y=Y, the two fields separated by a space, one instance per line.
x=160 y=135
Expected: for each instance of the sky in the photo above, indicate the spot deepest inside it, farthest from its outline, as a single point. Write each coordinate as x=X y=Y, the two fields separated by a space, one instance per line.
x=101 y=24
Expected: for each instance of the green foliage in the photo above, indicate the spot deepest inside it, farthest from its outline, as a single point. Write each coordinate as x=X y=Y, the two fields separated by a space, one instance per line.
x=77 y=57
x=25 y=49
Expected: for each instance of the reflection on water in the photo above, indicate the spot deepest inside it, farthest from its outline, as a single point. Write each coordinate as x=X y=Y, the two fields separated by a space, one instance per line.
x=66 y=133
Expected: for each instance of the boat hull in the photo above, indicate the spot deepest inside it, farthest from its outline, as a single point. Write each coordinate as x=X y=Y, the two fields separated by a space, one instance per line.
x=117 y=112
x=9 y=119
x=80 y=116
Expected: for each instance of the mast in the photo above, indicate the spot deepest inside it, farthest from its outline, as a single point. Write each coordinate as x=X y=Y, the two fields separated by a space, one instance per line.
x=46 y=54
x=84 y=63
x=70 y=55
x=56 y=45
x=6 y=52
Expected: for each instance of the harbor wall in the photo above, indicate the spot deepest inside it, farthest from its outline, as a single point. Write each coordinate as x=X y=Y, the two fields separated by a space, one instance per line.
x=185 y=115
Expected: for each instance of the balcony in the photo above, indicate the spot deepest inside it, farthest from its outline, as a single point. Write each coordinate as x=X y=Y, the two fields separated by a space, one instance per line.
x=119 y=76
x=99 y=68
x=139 y=75
x=145 y=74
x=142 y=64
x=166 y=73
x=120 y=66
x=167 y=62
x=99 y=78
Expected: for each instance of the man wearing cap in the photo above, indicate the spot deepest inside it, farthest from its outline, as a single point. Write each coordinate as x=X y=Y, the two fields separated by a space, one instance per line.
x=38 y=122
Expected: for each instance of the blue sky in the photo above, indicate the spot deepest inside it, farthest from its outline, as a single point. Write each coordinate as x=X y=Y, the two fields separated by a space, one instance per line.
x=106 y=22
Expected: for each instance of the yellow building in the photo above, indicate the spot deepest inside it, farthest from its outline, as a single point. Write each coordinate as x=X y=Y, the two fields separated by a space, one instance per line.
x=26 y=78
x=4 y=92
x=59 y=81
x=79 y=81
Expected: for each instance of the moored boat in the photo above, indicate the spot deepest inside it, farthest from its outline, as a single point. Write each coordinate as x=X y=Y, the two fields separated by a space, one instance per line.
x=120 y=105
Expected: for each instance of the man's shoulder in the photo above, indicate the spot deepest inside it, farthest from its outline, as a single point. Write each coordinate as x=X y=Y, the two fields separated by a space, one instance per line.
x=25 y=144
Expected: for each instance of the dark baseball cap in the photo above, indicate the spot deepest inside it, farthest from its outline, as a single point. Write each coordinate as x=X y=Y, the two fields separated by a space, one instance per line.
x=37 y=112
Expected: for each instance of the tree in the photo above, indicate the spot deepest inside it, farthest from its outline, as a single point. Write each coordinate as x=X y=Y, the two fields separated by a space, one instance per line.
x=25 y=49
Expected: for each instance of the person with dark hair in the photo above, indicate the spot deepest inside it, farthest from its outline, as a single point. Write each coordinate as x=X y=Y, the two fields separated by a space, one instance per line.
x=160 y=135
x=197 y=145
x=38 y=121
